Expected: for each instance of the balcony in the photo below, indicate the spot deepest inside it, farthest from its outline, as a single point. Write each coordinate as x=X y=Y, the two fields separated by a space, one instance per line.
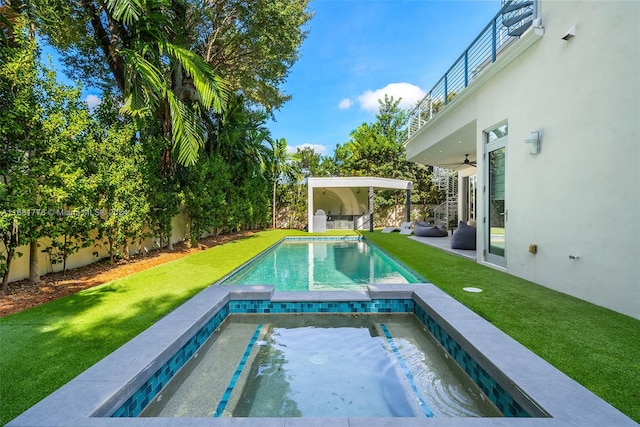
x=503 y=31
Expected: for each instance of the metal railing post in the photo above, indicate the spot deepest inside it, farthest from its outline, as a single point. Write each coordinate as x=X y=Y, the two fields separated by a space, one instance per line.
x=445 y=90
x=493 y=40
x=466 y=68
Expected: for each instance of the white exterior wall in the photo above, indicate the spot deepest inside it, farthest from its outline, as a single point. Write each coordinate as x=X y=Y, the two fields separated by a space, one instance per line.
x=580 y=195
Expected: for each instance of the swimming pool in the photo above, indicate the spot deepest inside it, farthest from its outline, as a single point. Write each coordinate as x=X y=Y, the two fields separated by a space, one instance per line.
x=318 y=365
x=325 y=264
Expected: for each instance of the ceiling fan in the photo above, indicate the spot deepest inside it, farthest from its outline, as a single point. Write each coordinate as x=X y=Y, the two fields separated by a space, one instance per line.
x=466 y=162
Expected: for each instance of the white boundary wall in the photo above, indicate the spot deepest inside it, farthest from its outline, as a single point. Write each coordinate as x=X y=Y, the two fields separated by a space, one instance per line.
x=20 y=265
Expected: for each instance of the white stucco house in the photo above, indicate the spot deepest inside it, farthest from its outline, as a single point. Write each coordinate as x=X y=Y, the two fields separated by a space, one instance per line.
x=545 y=104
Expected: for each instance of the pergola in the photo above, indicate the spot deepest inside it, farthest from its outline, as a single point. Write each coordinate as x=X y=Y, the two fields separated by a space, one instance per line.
x=345 y=199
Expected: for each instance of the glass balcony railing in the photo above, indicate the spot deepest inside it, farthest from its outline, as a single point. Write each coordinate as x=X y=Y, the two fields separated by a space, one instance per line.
x=513 y=19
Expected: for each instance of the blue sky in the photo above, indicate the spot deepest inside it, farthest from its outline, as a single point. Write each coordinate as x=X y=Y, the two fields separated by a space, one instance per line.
x=357 y=50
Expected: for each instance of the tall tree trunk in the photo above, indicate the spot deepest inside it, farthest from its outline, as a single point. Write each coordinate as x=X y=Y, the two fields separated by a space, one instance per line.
x=64 y=256
x=273 y=208
x=34 y=271
x=5 y=277
x=169 y=242
x=111 y=255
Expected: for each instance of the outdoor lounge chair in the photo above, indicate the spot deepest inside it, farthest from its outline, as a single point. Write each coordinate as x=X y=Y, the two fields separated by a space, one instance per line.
x=392 y=229
x=406 y=228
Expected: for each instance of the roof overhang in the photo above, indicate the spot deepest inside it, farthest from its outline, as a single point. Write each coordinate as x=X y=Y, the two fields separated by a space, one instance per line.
x=359 y=182
x=445 y=145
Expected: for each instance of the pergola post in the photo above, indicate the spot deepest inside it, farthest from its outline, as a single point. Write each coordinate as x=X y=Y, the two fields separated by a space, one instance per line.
x=310 y=209
x=408 y=205
x=371 y=209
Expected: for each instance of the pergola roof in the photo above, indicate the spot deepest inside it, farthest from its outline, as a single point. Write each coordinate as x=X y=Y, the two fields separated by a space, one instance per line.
x=359 y=181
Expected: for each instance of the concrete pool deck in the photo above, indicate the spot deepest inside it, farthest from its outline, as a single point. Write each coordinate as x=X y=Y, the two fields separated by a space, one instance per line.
x=553 y=398
x=444 y=244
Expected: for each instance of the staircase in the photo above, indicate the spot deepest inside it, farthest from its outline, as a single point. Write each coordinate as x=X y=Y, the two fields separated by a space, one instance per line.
x=517 y=16
x=447 y=181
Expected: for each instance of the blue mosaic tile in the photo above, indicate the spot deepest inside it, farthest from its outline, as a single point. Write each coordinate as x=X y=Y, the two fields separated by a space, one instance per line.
x=323 y=238
x=373 y=306
x=234 y=379
x=503 y=401
x=137 y=402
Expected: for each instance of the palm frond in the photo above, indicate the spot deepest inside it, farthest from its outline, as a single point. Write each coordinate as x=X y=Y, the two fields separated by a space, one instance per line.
x=211 y=88
x=145 y=85
x=187 y=131
x=127 y=11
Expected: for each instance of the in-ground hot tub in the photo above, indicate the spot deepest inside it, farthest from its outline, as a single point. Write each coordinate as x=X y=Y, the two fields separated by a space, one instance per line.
x=321 y=365
x=516 y=380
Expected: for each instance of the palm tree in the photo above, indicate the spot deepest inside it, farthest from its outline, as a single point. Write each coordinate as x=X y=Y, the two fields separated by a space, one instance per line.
x=147 y=46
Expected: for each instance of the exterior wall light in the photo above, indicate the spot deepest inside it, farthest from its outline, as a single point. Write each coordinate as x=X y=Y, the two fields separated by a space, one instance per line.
x=533 y=141
x=570 y=33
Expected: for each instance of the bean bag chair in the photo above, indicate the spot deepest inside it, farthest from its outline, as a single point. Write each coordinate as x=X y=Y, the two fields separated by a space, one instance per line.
x=429 y=231
x=464 y=237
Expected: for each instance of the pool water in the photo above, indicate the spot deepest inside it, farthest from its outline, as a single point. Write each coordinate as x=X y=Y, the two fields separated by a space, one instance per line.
x=322 y=265
x=336 y=365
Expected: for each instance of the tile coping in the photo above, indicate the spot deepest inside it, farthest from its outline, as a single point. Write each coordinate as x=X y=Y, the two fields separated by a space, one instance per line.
x=112 y=380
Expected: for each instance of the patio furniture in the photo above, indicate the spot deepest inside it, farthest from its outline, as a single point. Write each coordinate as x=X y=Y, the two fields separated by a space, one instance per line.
x=403 y=226
x=429 y=231
x=406 y=228
x=464 y=237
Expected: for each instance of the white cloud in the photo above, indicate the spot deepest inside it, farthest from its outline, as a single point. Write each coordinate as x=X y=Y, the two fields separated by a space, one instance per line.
x=320 y=149
x=409 y=93
x=93 y=101
x=345 y=104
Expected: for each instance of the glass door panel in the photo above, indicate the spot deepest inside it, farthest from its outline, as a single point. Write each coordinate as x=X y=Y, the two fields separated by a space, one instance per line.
x=496 y=203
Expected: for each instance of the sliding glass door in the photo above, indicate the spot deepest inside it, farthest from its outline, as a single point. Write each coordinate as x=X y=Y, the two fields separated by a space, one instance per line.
x=496 y=210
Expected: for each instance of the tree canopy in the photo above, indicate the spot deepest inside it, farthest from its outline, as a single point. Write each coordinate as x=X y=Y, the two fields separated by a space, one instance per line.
x=176 y=61
x=187 y=87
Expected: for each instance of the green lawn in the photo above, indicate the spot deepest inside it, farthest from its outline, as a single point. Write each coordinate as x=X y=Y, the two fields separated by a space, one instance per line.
x=44 y=347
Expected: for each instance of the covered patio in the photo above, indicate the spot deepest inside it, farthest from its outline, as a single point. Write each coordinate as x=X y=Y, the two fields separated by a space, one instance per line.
x=347 y=202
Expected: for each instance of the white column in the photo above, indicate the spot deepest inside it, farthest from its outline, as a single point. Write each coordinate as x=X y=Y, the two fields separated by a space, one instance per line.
x=309 y=207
